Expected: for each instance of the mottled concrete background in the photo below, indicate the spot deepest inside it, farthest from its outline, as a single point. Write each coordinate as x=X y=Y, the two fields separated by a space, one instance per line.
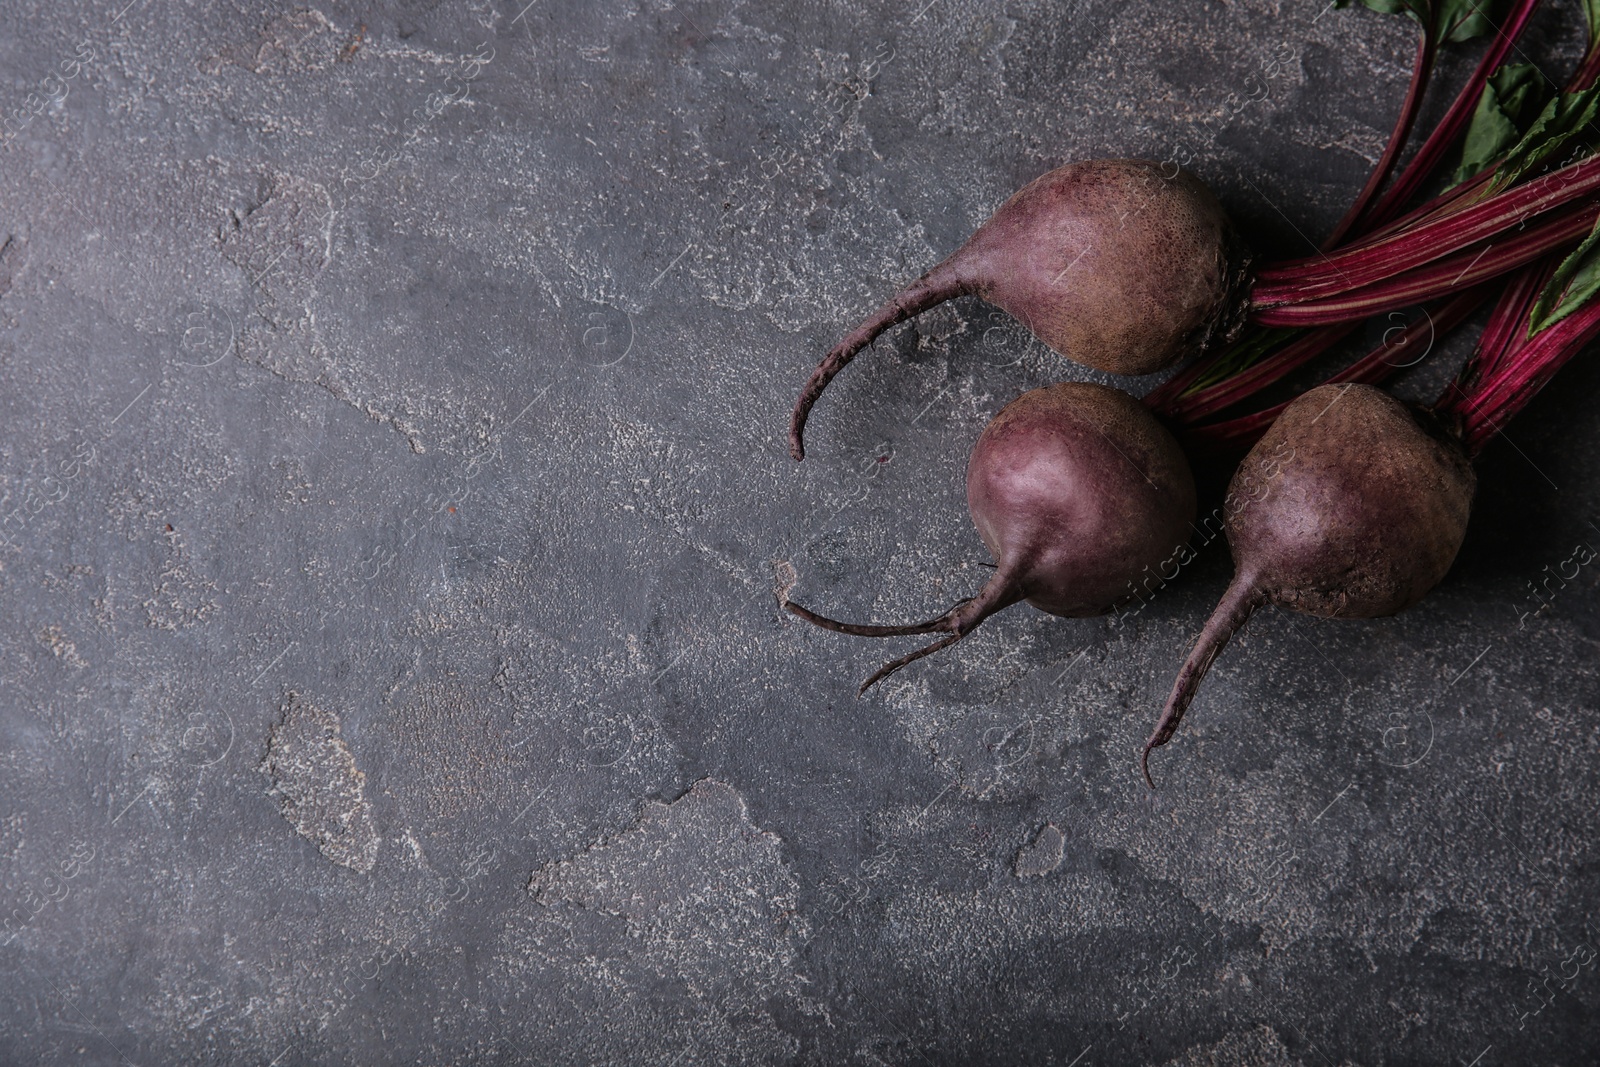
x=395 y=500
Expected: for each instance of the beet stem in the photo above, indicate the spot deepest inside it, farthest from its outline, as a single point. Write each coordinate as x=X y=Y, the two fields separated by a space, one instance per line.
x=1504 y=332
x=1455 y=120
x=1421 y=69
x=1371 y=369
x=1435 y=279
x=1523 y=374
x=1588 y=71
x=1232 y=612
x=1210 y=399
x=933 y=288
x=1166 y=397
x=1366 y=263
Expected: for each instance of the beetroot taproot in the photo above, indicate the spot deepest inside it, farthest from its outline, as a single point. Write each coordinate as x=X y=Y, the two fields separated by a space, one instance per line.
x=1352 y=506
x=1078 y=492
x=1124 y=265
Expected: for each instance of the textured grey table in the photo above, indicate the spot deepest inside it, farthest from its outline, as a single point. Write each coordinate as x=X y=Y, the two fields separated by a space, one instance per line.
x=394 y=503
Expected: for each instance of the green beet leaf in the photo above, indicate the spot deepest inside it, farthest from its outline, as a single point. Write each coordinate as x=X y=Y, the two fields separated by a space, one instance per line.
x=1561 y=122
x=1574 y=283
x=1514 y=95
x=1445 y=20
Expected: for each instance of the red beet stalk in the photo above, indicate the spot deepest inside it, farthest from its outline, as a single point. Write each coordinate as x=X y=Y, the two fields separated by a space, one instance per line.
x=1395 y=353
x=1455 y=121
x=1484 y=409
x=1507 y=329
x=1422 y=68
x=1163 y=397
x=1297 y=353
x=1441 y=276
x=1369 y=262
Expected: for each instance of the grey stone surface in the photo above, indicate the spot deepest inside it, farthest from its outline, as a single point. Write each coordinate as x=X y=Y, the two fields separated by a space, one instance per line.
x=1041 y=855
x=394 y=402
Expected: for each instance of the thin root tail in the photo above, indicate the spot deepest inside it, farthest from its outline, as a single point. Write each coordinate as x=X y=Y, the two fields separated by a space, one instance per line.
x=857 y=629
x=933 y=288
x=1231 y=613
x=894 y=665
x=999 y=592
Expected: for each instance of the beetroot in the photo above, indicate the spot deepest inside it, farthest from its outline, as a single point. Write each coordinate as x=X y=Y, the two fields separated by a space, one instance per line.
x=1077 y=491
x=1124 y=265
x=1352 y=506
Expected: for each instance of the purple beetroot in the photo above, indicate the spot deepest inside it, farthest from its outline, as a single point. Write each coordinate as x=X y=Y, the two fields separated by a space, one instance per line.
x=1078 y=492
x=1124 y=265
x=1352 y=506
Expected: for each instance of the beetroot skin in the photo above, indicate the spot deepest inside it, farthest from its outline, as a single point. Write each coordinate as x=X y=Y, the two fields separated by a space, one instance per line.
x=1077 y=491
x=1352 y=506
x=1125 y=265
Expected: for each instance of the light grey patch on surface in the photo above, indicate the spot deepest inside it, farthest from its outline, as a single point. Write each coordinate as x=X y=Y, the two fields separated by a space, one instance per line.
x=710 y=907
x=696 y=864
x=1041 y=855
x=281 y=243
x=181 y=598
x=318 y=785
x=284 y=244
x=297 y=42
x=785 y=578
x=55 y=639
x=966 y=937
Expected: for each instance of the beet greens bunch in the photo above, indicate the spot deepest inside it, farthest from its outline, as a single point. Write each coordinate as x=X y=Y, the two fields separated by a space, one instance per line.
x=1348 y=502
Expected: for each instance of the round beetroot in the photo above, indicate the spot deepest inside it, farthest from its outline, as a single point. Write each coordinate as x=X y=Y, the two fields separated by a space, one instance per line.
x=1124 y=265
x=1352 y=506
x=1078 y=492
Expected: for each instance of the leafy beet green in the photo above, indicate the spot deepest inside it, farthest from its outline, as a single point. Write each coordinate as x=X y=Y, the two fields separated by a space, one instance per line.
x=1512 y=99
x=1575 y=283
x=1450 y=21
x=1563 y=121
